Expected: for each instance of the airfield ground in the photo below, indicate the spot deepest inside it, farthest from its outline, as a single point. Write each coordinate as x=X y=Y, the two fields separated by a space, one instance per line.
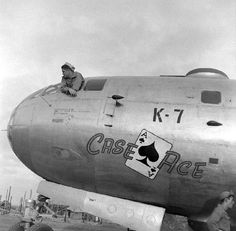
x=170 y=223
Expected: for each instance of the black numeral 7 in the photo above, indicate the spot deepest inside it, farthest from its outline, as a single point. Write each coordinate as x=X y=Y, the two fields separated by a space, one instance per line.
x=180 y=114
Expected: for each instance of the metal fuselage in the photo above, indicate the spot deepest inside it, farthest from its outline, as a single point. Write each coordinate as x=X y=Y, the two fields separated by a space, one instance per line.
x=90 y=141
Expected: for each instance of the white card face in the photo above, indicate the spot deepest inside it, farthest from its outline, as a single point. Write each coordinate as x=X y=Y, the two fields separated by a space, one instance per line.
x=149 y=153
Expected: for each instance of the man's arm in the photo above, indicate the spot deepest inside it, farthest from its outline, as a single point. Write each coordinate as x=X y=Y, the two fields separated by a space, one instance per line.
x=212 y=222
x=64 y=88
x=78 y=81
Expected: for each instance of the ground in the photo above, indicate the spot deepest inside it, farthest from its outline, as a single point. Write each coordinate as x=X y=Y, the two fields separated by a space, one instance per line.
x=170 y=223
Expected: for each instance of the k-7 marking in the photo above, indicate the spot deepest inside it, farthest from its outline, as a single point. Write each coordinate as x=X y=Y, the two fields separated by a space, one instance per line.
x=158 y=114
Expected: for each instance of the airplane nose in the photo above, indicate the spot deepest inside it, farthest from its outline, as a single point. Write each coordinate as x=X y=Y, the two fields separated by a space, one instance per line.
x=10 y=127
x=18 y=132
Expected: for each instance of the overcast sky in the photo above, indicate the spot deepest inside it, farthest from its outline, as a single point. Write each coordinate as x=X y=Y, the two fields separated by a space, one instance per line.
x=103 y=37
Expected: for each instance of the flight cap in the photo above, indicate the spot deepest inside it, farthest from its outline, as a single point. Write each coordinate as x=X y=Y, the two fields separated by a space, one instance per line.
x=226 y=194
x=68 y=65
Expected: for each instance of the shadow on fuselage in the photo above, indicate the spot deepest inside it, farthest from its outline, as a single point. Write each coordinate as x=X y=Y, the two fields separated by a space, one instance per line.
x=198 y=221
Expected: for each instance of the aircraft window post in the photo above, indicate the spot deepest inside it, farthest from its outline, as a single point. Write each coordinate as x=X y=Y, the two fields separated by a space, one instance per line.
x=211 y=97
x=51 y=89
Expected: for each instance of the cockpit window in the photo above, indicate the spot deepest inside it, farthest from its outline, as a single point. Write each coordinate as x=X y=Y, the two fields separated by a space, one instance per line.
x=94 y=85
x=45 y=91
x=212 y=97
x=35 y=94
x=51 y=89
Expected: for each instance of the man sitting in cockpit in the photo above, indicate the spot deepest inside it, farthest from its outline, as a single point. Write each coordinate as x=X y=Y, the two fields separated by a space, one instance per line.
x=71 y=81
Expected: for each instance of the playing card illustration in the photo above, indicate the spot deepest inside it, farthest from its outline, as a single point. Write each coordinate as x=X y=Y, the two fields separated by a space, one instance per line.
x=149 y=153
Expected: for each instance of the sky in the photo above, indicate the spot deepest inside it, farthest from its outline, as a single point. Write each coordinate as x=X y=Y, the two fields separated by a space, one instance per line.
x=102 y=38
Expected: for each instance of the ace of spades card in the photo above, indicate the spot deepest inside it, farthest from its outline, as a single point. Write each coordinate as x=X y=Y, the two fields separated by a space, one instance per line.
x=149 y=153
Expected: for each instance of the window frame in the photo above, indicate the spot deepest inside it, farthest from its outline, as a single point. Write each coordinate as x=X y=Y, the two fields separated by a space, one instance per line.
x=211 y=97
x=94 y=85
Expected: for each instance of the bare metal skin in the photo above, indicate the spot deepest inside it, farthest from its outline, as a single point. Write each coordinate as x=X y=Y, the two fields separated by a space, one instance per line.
x=89 y=142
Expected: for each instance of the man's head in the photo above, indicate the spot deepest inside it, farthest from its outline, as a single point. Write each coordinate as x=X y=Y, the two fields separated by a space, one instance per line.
x=67 y=70
x=227 y=199
x=29 y=203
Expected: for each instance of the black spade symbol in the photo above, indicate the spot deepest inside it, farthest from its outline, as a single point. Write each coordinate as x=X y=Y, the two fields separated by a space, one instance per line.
x=149 y=152
x=141 y=140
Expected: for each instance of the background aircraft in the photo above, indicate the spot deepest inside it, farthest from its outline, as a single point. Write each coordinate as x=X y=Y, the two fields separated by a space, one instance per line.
x=130 y=149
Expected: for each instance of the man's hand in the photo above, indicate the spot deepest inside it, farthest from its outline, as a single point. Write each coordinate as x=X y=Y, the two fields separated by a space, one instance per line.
x=64 y=89
x=72 y=92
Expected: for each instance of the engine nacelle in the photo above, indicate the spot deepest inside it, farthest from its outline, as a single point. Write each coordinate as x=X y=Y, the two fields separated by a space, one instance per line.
x=134 y=215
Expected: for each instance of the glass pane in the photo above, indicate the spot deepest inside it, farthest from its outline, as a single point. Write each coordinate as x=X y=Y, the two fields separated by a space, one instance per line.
x=212 y=97
x=95 y=85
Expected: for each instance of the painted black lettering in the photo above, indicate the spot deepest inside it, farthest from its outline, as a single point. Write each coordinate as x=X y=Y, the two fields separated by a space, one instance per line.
x=108 y=143
x=170 y=159
x=145 y=135
x=129 y=150
x=118 y=147
x=197 y=173
x=157 y=114
x=150 y=174
x=180 y=115
x=90 y=142
x=184 y=165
